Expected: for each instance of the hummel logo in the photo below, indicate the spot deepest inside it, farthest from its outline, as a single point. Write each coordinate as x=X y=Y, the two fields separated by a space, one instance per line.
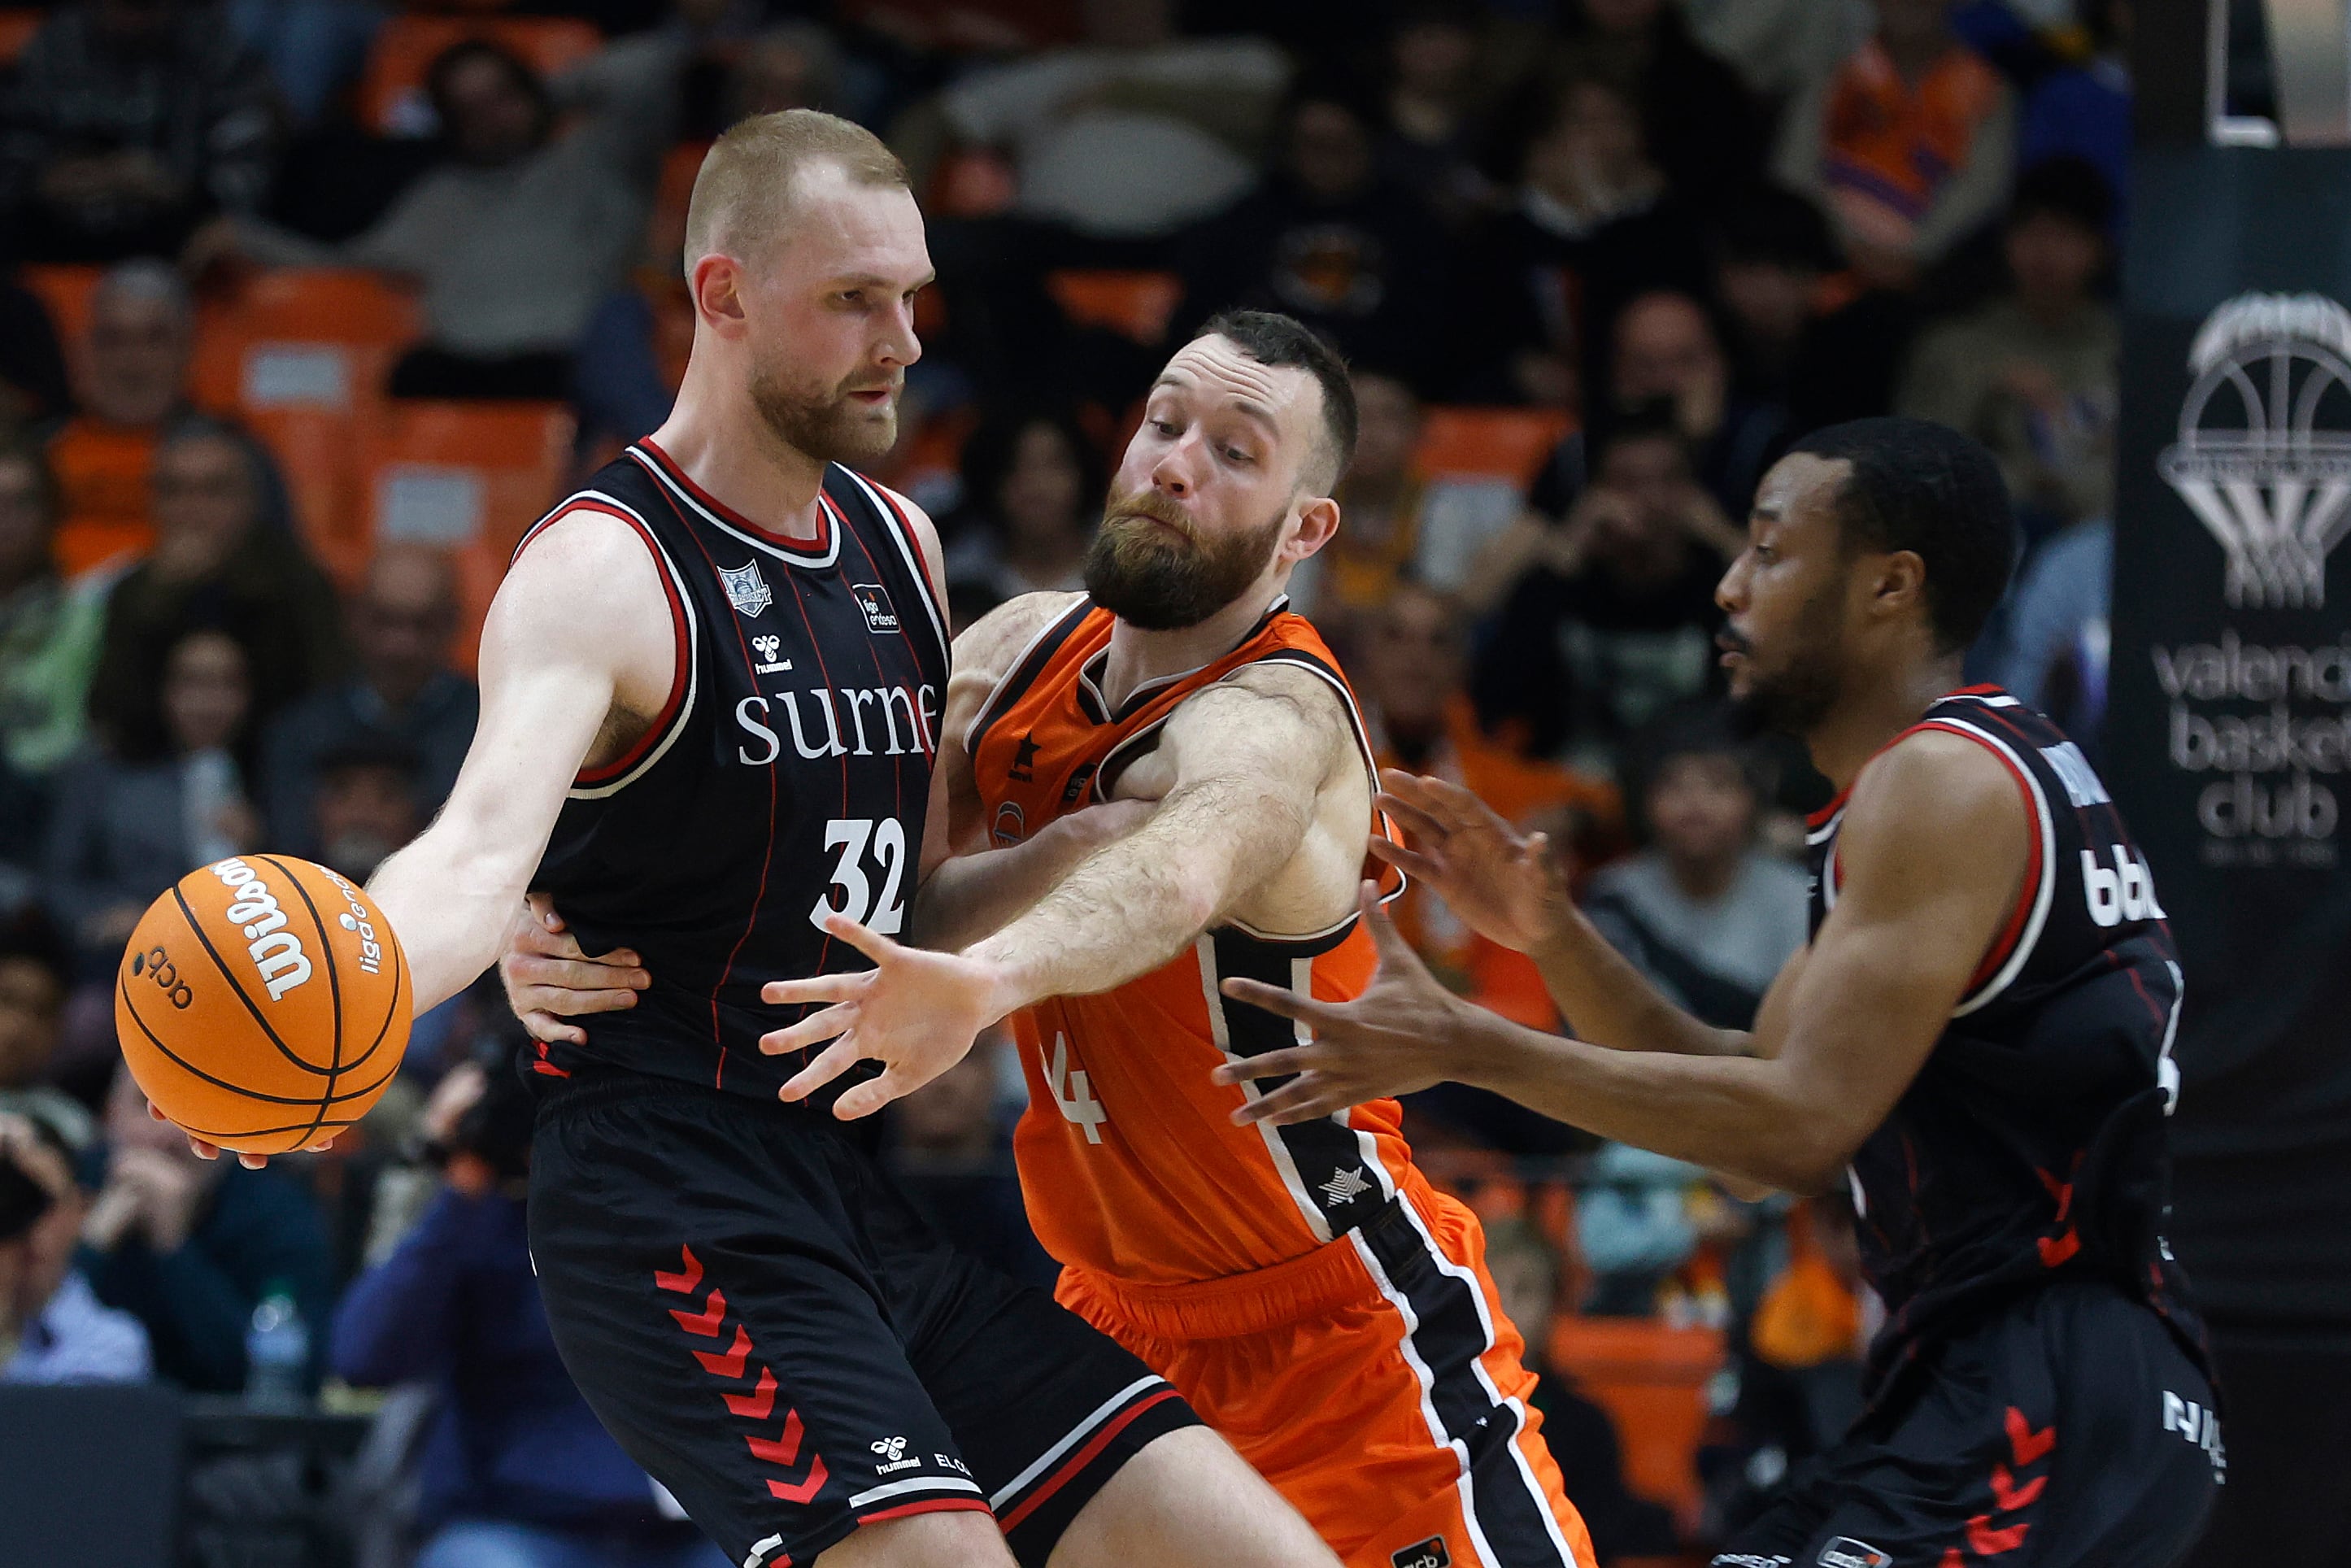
x=767 y=647
x=1347 y=1186
x=890 y=1448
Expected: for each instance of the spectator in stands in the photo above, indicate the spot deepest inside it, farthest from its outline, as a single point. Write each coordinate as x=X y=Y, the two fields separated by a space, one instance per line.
x=35 y=966
x=2050 y=644
x=133 y=379
x=1638 y=1225
x=1665 y=346
x=215 y=562
x=2033 y=374
x=365 y=803
x=1780 y=47
x=1593 y=224
x=1772 y=252
x=31 y=369
x=189 y=1246
x=1704 y=128
x=1909 y=143
x=52 y=1327
x=2083 y=109
x=1032 y=487
x=1410 y=665
x=1401 y=521
x=1701 y=911
x=314 y=49
x=50 y=627
x=950 y=1147
x=1081 y=124
x=1432 y=126
x=133 y=818
x=402 y=621
x=1607 y=614
x=515 y=237
x=1330 y=240
x=458 y=1304
x=133 y=120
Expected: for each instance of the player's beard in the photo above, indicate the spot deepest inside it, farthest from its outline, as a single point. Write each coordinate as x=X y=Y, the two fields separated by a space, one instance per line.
x=1163 y=582
x=1795 y=697
x=826 y=426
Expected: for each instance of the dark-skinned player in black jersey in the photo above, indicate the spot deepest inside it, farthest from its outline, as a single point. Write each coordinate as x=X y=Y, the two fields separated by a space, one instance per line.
x=1977 y=1038
x=711 y=687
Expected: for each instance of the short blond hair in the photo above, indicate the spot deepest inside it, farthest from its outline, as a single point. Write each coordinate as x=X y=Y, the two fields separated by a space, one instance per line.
x=743 y=195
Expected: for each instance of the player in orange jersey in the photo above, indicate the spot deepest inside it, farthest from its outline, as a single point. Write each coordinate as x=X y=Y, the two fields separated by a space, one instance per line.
x=1315 y=1299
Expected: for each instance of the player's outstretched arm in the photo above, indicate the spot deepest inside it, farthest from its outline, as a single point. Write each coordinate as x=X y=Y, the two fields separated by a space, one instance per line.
x=1916 y=915
x=1511 y=891
x=581 y=629
x=1246 y=761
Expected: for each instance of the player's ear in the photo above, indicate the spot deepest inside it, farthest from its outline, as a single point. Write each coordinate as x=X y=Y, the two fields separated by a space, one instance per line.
x=716 y=282
x=1900 y=587
x=1318 y=524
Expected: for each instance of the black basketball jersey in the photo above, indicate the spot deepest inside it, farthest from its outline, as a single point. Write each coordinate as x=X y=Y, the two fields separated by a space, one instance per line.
x=787 y=775
x=2032 y=1144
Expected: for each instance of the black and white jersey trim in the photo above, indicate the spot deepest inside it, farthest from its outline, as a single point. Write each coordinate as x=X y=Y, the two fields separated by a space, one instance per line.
x=838 y=525
x=901 y=529
x=1010 y=1494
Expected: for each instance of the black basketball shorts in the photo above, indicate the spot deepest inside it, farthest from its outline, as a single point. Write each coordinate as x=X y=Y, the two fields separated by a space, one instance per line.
x=756 y=1314
x=2071 y=1430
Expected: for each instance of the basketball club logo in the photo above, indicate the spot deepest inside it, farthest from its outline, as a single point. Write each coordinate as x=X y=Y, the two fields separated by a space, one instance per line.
x=746 y=591
x=2263 y=456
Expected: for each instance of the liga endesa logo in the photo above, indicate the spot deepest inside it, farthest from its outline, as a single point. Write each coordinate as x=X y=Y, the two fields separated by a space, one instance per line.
x=2263 y=456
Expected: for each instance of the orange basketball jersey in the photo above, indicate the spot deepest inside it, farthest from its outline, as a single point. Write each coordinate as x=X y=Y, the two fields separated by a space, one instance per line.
x=1128 y=1156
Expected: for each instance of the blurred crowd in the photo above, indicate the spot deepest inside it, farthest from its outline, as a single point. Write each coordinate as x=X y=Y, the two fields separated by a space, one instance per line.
x=1691 y=230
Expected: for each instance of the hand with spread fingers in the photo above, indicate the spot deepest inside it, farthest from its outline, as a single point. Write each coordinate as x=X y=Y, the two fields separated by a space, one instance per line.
x=916 y=1011
x=1386 y=1041
x=1509 y=886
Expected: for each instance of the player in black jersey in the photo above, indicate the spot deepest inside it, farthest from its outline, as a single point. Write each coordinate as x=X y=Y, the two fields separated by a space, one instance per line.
x=1977 y=1040
x=711 y=687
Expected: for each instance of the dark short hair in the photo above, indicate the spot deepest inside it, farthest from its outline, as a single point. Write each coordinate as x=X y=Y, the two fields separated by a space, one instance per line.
x=371 y=750
x=1272 y=339
x=519 y=70
x=29 y=935
x=1690 y=729
x=2064 y=187
x=1654 y=419
x=1924 y=488
x=989 y=452
x=1772 y=226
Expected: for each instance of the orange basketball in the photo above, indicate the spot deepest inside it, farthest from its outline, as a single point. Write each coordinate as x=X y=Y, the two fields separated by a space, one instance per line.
x=263 y=1004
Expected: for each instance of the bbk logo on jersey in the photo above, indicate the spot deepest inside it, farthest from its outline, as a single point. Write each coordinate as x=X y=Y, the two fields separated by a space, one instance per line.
x=746 y=591
x=879 y=616
x=1844 y=1552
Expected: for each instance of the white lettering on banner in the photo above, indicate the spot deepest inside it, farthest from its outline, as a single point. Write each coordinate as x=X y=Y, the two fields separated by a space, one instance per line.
x=1073 y=1090
x=277 y=953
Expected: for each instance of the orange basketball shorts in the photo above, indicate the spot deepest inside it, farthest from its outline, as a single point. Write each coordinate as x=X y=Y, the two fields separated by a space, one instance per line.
x=1375 y=1383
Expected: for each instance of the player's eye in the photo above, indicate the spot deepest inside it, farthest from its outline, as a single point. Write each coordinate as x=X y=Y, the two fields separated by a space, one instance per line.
x=1238 y=455
x=1163 y=427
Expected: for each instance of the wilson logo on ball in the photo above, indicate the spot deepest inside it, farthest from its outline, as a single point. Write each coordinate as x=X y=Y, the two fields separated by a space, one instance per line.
x=277 y=953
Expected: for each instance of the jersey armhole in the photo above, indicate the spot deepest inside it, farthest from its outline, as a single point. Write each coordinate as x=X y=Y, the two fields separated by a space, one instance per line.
x=1390 y=879
x=2019 y=934
x=604 y=780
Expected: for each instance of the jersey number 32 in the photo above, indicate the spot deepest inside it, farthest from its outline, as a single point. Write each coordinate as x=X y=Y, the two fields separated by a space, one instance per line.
x=854 y=836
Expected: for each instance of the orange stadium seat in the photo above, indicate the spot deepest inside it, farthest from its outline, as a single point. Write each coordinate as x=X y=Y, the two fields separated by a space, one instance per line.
x=1137 y=303
x=1651 y=1379
x=17 y=30
x=1491 y=443
x=64 y=292
x=391 y=88
x=301 y=354
x=469 y=477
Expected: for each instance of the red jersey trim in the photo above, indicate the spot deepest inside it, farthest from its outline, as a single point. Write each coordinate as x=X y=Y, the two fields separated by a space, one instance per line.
x=2028 y=898
x=819 y=551
x=680 y=683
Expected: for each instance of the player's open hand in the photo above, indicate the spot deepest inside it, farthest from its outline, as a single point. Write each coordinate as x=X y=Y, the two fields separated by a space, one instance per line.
x=1389 y=1040
x=916 y=1012
x=550 y=980
x=1509 y=887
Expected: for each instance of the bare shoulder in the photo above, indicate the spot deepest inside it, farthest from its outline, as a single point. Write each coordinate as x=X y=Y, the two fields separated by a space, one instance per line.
x=1936 y=805
x=1268 y=708
x=586 y=583
x=987 y=648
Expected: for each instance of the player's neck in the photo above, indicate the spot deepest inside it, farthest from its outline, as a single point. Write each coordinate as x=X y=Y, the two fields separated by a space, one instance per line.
x=1871 y=713
x=729 y=451
x=1137 y=655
